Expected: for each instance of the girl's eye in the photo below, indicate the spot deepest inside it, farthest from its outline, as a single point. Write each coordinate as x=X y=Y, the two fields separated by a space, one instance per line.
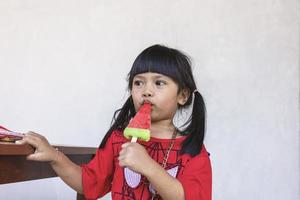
x=137 y=83
x=160 y=83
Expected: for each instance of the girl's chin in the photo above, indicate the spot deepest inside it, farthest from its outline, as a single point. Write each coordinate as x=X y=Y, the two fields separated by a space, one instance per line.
x=156 y=119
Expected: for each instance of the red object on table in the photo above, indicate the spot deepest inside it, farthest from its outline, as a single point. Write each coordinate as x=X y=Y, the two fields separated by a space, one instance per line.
x=9 y=136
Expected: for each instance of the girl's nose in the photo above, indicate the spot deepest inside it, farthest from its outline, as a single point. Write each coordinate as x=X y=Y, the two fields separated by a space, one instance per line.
x=147 y=92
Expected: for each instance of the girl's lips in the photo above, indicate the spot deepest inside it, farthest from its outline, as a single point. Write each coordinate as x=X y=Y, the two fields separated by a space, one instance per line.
x=147 y=101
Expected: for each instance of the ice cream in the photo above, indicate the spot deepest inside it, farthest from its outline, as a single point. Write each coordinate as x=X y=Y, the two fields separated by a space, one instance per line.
x=139 y=126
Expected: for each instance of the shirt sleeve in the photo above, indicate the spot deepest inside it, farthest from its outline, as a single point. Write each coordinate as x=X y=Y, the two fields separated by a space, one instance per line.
x=97 y=174
x=197 y=178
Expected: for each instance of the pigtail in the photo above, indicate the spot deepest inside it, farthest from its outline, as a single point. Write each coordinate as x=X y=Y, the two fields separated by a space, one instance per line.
x=120 y=119
x=196 y=130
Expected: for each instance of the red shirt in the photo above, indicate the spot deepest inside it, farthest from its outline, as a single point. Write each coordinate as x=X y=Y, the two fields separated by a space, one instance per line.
x=103 y=173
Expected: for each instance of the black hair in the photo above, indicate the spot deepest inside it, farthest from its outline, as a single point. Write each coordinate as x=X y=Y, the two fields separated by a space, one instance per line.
x=176 y=65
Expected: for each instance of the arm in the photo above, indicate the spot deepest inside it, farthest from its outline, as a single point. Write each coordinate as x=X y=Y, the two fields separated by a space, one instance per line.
x=68 y=171
x=135 y=157
x=167 y=186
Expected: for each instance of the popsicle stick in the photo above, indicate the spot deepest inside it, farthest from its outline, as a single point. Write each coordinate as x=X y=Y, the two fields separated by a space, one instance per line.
x=133 y=139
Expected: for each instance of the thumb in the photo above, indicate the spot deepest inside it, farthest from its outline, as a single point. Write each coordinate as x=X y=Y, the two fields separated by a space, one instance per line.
x=34 y=156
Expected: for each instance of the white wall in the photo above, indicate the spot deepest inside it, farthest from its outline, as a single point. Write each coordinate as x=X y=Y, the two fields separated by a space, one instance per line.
x=63 y=67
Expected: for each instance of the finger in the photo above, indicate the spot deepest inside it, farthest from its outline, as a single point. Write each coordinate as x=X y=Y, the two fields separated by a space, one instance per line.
x=31 y=156
x=24 y=139
x=35 y=156
x=20 y=142
x=126 y=144
x=37 y=137
x=122 y=163
x=35 y=134
x=121 y=157
x=30 y=136
x=30 y=139
x=122 y=152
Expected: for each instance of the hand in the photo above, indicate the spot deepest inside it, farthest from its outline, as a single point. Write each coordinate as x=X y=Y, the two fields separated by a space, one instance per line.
x=135 y=157
x=43 y=150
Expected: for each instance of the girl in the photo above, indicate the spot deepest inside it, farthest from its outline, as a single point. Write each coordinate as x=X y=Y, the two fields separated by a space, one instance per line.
x=173 y=164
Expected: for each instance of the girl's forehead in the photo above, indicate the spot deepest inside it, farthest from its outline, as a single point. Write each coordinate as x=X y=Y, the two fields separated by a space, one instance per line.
x=150 y=75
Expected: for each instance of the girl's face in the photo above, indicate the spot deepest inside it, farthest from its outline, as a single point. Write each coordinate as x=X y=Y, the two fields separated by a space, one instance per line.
x=161 y=91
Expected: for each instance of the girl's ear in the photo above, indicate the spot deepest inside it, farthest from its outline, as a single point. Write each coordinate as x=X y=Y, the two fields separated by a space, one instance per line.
x=183 y=96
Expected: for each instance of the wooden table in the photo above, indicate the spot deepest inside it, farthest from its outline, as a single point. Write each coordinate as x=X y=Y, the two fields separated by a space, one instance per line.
x=15 y=168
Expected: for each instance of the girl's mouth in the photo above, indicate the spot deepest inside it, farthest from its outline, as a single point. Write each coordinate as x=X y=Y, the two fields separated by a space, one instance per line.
x=147 y=101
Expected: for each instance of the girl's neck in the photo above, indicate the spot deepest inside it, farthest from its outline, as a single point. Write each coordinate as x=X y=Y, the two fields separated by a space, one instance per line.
x=162 y=130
